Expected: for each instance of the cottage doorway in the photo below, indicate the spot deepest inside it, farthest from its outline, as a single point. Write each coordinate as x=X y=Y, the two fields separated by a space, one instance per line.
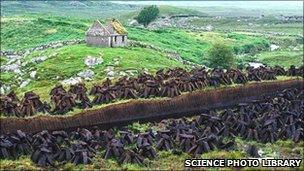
x=111 y=41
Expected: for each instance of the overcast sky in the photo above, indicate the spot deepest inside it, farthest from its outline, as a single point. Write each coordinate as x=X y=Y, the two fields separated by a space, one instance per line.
x=241 y=4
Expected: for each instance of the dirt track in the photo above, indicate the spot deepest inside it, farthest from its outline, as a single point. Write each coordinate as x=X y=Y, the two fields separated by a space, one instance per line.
x=150 y=109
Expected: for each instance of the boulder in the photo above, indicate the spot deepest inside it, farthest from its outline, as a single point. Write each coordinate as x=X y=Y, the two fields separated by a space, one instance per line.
x=71 y=81
x=33 y=74
x=255 y=64
x=25 y=83
x=133 y=23
x=86 y=74
x=111 y=74
x=274 y=47
x=92 y=61
x=39 y=59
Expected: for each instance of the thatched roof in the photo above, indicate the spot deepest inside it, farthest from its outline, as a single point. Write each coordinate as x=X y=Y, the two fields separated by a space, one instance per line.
x=114 y=27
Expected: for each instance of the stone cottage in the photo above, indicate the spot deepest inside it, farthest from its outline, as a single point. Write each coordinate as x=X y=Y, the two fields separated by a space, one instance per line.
x=112 y=35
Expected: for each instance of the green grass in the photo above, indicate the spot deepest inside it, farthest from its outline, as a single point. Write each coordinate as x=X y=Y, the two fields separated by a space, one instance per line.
x=192 y=46
x=19 y=33
x=281 y=58
x=83 y=9
x=268 y=24
x=33 y=31
x=177 y=40
x=70 y=60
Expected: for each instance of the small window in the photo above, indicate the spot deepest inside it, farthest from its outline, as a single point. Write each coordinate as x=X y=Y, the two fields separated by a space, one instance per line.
x=115 y=38
x=123 y=38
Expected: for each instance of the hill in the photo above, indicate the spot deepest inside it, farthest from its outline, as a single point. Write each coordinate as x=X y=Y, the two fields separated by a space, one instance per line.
x=79 y=9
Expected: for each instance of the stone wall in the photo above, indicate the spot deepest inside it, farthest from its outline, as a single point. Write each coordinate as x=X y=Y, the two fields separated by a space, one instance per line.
x=51 y=45
x=120 y=41
x=98 y=40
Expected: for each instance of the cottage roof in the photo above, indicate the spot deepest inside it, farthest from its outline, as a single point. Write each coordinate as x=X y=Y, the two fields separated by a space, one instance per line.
x=114 y=27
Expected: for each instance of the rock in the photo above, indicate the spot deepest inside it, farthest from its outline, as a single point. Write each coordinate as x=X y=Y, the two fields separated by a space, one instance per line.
x=4 y=89
x=72 y=81
x=133 y=23
x=92 y=61
x=261 y=152
x=11 y=67
x=122 y=73
x=39 y=59
x=33 y=74
x=255 y=64
x=13 y=57
x=109 y=68
x=274 y=47
x=209 y=28
x=111 y=74
x=296 y=49
x=86 y=74
x=116 y=63
x=25 y=83
x=174 y=55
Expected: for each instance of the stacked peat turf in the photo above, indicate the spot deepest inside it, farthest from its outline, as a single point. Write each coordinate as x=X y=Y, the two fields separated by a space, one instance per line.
x=267 y=120
x=165 y=83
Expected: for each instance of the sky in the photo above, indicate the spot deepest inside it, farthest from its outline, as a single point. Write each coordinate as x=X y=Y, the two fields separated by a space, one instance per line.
x=239 y=4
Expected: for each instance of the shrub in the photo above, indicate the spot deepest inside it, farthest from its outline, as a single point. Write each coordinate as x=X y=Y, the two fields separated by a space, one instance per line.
x=147 y=15
x=221 y=55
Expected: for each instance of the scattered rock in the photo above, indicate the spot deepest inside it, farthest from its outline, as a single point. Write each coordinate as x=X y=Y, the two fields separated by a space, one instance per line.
x=33 y=74
x=39 y=59
x=274 y=47
x=296 y=49
x=25 y=83
x=133 y=23
x=209 y=28
x=4 y=89
x=255 y=64
x=174 y=55
x=92 y=61
x=11 y=68
x=111 y=74
x=122 y=73
x=72 y=81
x=109 y=68
x=86 y=74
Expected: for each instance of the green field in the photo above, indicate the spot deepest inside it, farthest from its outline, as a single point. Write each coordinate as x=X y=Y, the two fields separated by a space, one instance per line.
x=282 y=58
x=192 y=46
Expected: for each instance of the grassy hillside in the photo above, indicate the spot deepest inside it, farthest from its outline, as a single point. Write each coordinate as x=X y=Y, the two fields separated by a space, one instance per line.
x=164 y=10
x=33 y=31
x=79 y=9
x=267 y=24
x=69 y=61
x=282 y=58
x=192 y=46
x=22 y=32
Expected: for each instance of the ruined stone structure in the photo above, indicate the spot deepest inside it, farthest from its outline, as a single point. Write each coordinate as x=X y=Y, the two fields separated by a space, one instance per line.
x=112 y=35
